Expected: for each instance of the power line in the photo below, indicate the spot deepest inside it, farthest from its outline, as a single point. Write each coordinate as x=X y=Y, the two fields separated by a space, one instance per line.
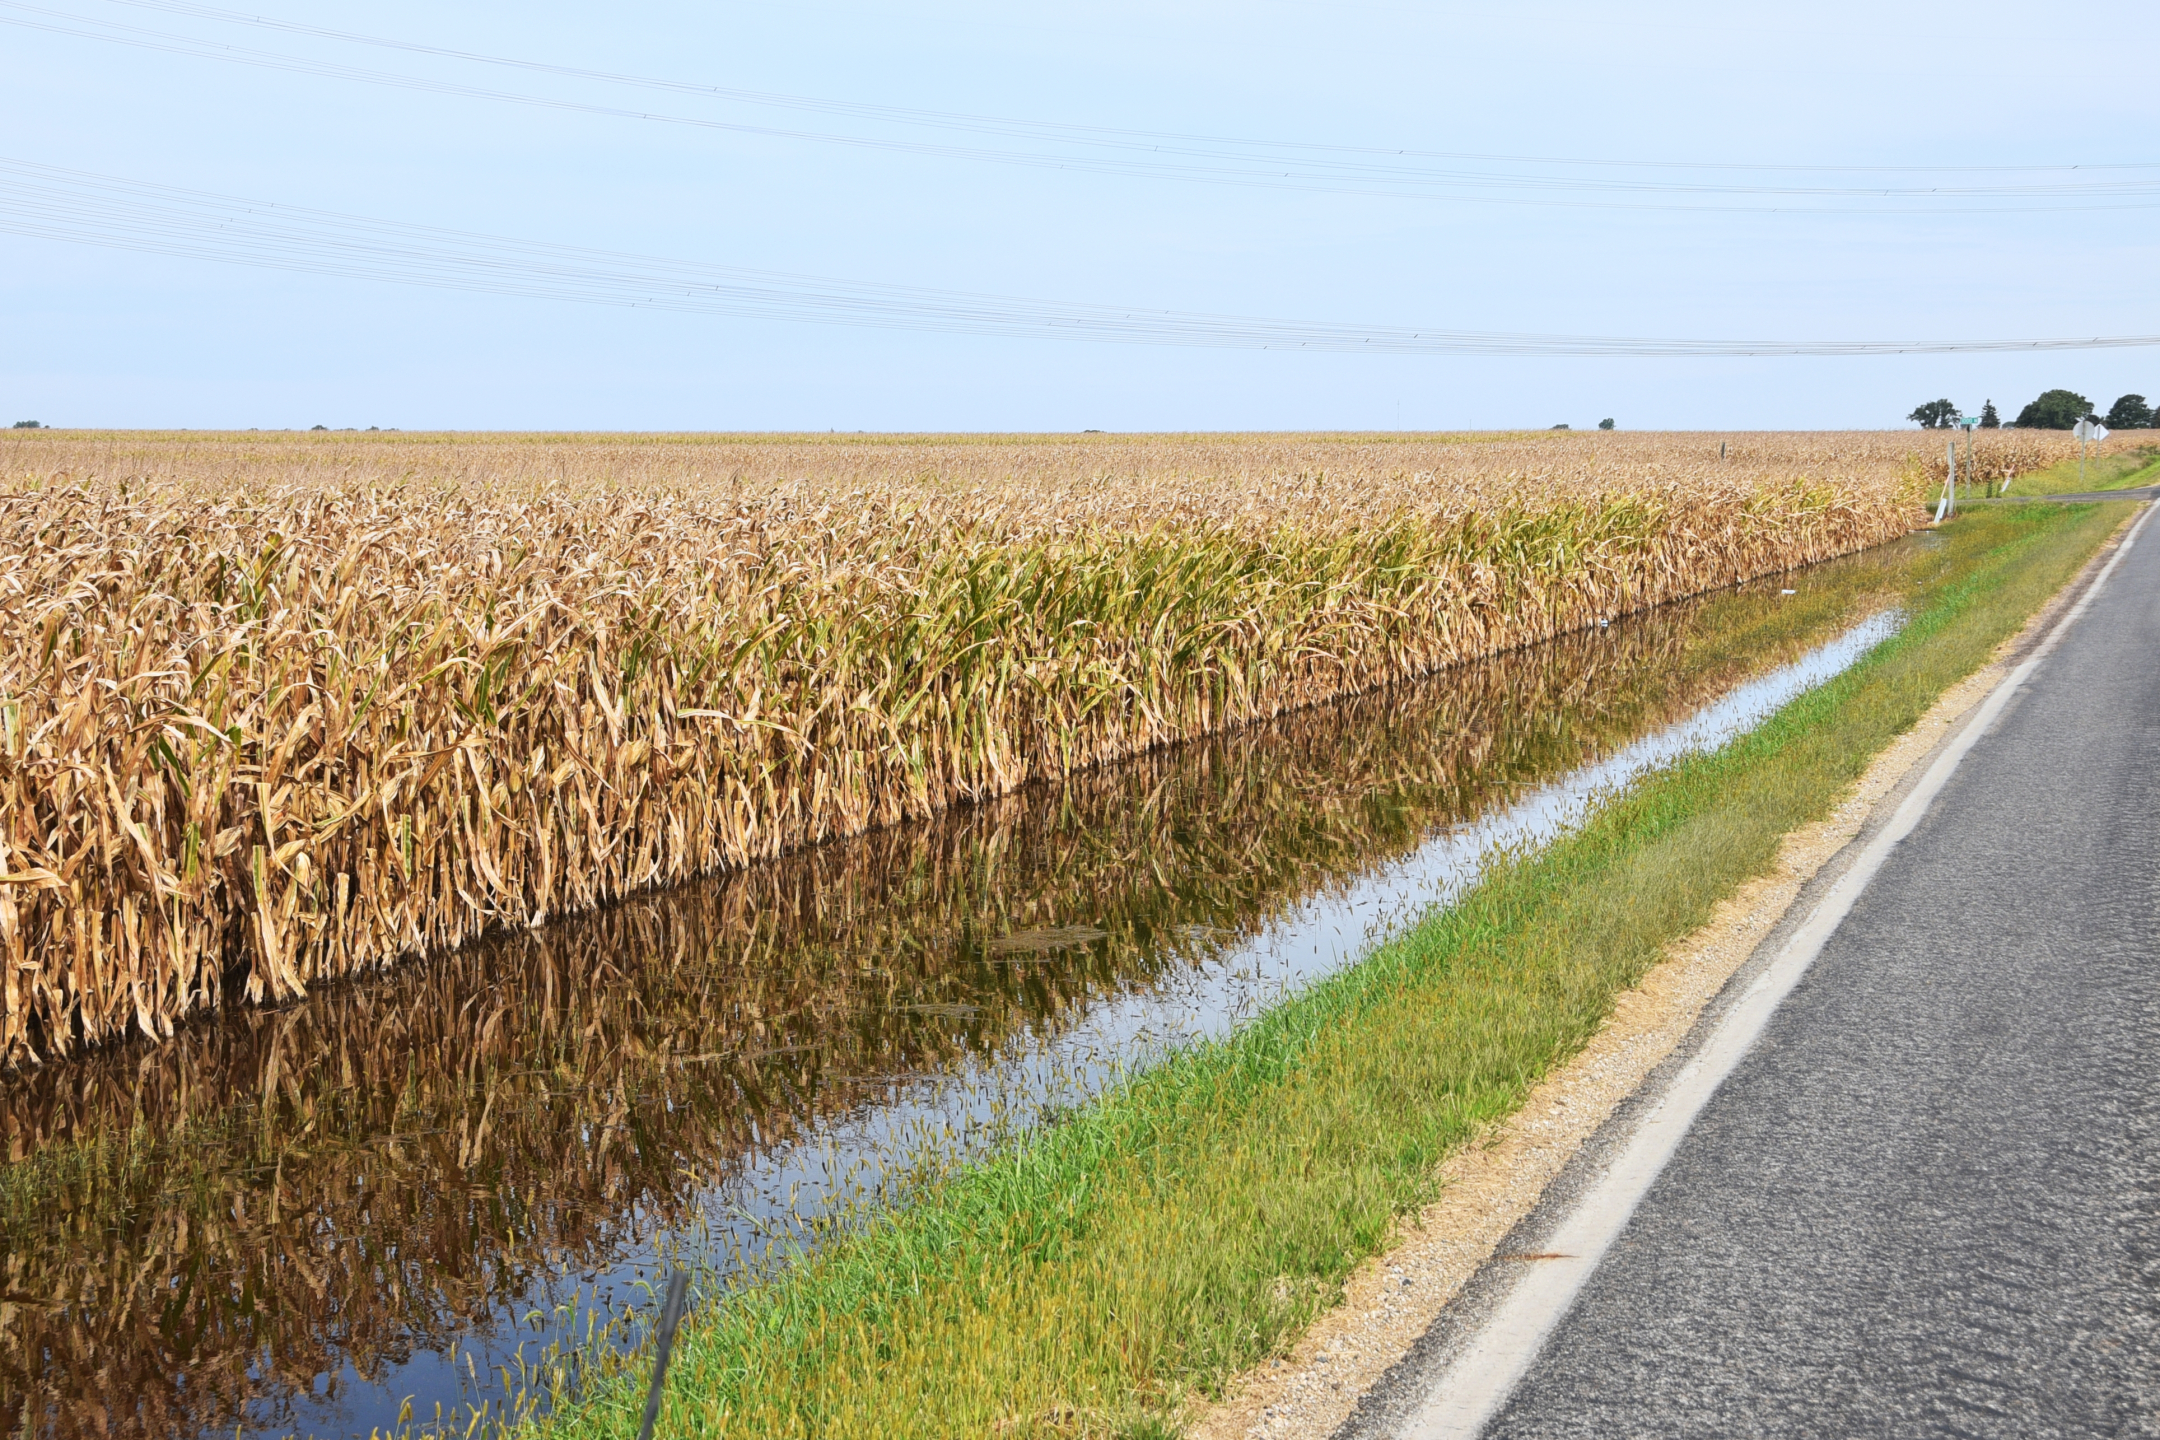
x=1008 y=124
x=86 y=208
x=1141 y=154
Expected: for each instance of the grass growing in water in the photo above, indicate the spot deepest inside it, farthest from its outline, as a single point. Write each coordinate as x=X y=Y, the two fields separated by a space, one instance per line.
x=1197 y=1219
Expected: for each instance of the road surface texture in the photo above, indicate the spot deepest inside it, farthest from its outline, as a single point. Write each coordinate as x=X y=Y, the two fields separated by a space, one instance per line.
x=1927 y=1202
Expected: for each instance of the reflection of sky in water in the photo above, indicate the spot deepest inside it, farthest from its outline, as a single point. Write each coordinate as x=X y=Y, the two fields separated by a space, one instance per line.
x=763 y=1209
x=958 y=1114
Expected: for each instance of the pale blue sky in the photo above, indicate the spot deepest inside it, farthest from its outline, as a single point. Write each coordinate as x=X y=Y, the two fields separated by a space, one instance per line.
x=116 y=338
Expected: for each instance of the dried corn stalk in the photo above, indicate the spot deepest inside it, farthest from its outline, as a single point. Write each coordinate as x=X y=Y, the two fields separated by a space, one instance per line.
x=294 y=729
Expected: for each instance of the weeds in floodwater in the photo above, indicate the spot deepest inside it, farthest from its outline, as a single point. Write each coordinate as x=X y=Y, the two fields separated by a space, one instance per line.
x=299 y=729
x=1094 y=1278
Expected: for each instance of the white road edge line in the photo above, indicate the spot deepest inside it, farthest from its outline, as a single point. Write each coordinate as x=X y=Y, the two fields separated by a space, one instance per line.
x=1485 y=1371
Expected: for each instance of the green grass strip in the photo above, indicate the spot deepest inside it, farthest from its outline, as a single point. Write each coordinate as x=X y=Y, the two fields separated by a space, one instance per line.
x=1105 y=1271
x=2119 y=471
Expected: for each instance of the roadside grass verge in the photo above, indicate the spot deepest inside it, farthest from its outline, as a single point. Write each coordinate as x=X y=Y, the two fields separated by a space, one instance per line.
x=1103 y=1272
x=2118 y=471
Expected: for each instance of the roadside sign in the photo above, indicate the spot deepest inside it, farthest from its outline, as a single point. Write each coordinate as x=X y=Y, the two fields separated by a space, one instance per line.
x=2086 y=430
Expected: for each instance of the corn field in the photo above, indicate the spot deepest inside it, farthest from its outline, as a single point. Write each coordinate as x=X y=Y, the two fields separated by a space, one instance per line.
x=335 y=1184
x=275 y=710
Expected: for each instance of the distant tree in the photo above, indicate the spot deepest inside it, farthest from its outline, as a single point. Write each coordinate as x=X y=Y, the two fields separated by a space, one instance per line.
x=1934 y=415
x=2129 y=412
x=1989 y=420
x=1604 y=424
x=318 y=427
x=1559 y=427
x=29 y=425
x=2055 y=410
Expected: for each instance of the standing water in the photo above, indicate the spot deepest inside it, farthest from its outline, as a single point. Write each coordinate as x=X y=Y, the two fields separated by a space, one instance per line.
x=413 y=1197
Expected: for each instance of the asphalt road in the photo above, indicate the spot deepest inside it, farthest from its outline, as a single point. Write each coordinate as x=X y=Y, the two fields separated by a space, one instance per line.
x=1928 y=1201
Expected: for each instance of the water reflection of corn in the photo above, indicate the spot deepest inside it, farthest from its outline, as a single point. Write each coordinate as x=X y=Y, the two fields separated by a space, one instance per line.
x=372 y=1171
x=264 y=714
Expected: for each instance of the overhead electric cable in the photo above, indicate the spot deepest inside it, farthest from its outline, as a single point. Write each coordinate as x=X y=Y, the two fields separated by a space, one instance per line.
x=1143 y=157
x=1040 y=128
x=78 y=206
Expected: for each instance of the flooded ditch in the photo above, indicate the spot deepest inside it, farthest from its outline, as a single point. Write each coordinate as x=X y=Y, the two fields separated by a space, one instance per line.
x=407 y=1198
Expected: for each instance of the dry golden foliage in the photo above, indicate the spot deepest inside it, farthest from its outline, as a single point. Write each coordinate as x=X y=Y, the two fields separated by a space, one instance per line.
x=493 y=1115
x=1034 y=468
x=293 y=708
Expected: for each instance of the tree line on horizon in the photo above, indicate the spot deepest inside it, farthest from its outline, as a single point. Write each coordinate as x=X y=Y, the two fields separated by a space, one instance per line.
x=2054 y=410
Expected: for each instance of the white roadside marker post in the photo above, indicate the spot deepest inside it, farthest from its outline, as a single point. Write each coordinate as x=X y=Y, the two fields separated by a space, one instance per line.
x=2087 y=431
x=1947 y=505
